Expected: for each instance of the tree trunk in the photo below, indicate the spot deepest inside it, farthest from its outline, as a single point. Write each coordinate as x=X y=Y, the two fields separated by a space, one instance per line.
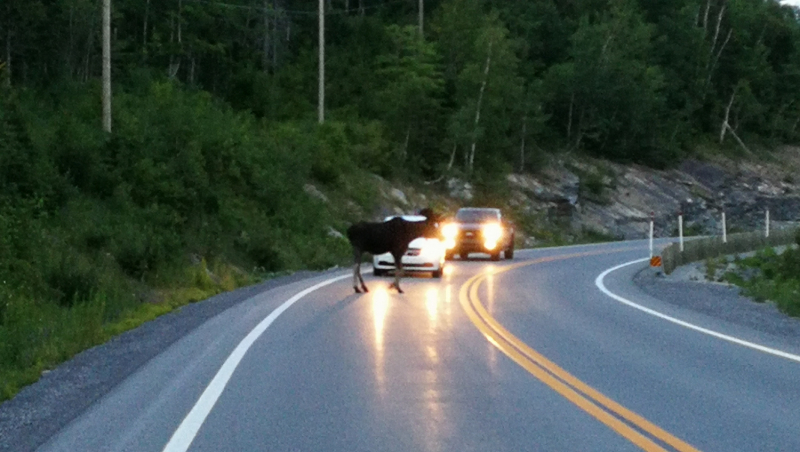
x=522 y=145
x=715 y=60
x=405 y=144
x=321 y=97
x=265 y=55
x=107 y=66
x=191 y=68
x=738 y=140
x=421 y=18
x=569 y=121
x=144 y=27
x=716 y=33
x=71 y=52
x=452 y=158
x=175 y=61
x=471 y=161
x=8 y=57
x=276 y=7
x=727 y=117
x=361 y=7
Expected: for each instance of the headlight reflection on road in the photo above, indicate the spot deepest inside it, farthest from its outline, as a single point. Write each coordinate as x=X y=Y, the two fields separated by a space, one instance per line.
x=380 y=309
x=448 y=270
x=432 y=303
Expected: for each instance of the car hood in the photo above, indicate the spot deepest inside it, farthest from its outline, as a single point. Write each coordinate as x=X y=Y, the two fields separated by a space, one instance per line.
x=419 y=242
x=470 y=225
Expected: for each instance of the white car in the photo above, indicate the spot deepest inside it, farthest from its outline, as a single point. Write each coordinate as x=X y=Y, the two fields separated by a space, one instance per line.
x=423 y=255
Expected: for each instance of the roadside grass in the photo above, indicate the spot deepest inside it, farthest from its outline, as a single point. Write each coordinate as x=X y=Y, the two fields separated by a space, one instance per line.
x=769 y=276
x=712 y=247
x=38 y=335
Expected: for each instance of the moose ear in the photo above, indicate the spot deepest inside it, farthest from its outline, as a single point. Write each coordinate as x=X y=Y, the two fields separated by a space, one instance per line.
x=428 y=213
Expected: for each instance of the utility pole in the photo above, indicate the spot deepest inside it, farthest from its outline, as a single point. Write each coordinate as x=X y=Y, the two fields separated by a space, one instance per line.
x=421 y=18
x=321 y=112
x=107 y=65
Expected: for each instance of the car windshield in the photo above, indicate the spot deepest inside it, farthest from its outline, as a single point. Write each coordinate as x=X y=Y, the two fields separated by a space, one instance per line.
x=477 y=215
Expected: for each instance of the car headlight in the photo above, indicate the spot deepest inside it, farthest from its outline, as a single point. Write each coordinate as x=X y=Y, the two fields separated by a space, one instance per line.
x=492 y=232
x=432 y=248
x=450 y=231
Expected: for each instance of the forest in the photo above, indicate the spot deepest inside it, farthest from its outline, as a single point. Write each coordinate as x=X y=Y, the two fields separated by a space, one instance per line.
x=216 y=130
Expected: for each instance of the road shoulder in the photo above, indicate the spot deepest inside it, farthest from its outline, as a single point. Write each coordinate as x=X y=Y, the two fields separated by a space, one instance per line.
x=42 y=409
x=687 y=289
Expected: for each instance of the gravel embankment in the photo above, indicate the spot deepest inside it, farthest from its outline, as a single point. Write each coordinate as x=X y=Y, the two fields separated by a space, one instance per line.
x=43 y=408
x=686 y=287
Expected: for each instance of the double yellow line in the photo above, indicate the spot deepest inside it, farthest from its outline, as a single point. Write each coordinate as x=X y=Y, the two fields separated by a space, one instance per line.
x=622 y=420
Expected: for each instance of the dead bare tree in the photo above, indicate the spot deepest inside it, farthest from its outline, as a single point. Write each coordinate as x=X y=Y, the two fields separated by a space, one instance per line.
x=726 y=126
x=471 y=160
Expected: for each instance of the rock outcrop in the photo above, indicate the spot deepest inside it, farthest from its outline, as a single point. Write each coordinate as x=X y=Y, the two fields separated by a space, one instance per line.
x=618 y=201
x=575 y=195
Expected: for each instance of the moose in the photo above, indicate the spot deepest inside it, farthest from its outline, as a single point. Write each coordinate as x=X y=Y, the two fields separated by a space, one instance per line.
x=391 y=236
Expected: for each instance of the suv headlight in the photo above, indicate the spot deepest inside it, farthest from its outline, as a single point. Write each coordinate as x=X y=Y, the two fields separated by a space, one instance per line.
x=492 y=232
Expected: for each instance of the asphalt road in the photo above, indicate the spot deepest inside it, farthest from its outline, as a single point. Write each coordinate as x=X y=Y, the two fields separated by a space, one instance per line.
x=521 y=355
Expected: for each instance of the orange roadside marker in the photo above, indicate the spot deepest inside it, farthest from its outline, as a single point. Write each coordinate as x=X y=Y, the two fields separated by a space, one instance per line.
x=655 y=261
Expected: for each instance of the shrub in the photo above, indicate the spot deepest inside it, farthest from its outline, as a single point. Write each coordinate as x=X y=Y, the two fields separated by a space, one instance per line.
x=71 y=278
x=708 y=247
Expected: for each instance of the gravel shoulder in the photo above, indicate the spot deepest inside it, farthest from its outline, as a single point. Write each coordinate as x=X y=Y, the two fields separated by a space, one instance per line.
x=45 y=407
x=687 y=287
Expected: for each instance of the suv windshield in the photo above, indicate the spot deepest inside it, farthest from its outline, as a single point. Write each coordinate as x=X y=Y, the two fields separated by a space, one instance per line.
x=477 y=215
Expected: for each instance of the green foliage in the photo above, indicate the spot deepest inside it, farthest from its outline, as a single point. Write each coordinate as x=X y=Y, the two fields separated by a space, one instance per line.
x=712 y=247
x=774 y=277
x=90 y=225
x=626 y=80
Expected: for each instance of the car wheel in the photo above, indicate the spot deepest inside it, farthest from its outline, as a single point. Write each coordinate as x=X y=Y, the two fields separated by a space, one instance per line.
x=463 y=256
x=496 y=256
x=378 y=272
x=437 y=273
x=509 y=253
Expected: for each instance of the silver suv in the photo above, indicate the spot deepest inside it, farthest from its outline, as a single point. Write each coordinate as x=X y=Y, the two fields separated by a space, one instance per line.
x=478 y=230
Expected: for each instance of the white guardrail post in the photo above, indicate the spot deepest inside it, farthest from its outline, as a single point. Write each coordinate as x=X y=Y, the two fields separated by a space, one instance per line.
x=766 y=225
x=724 y=229
x=652 y=219
x=680 y=229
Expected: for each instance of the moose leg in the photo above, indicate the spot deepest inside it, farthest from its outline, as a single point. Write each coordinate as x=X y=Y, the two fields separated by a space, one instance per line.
x=363 y=286
x=398 y=272
x=357 y=270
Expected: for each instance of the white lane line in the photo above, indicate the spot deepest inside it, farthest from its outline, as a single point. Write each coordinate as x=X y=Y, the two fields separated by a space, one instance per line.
x=599 y=283
x=186 y=432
